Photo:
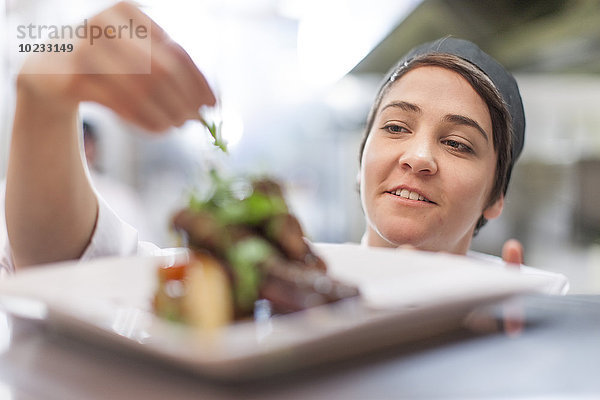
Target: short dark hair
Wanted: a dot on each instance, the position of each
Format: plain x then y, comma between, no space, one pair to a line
482,84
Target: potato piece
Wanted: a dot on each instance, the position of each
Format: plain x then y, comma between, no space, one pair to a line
208,302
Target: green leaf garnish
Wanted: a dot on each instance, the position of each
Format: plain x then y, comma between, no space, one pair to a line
244,258
226,204
215,131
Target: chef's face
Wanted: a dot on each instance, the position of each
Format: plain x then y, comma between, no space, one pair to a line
429,163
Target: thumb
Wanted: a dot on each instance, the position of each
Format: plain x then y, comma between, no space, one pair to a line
512,252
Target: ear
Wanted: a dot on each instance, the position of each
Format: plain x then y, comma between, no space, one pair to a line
495,209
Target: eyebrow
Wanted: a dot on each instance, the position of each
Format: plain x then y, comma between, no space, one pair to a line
404,105
455,119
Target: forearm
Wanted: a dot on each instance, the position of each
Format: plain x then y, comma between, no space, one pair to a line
51,208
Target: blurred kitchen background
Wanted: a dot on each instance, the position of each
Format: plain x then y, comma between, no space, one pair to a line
296,79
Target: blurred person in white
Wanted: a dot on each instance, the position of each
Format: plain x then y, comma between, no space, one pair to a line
434,161
120,197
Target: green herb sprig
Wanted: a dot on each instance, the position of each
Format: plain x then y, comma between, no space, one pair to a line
215,130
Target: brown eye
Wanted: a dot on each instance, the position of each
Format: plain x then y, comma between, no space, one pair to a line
394,128
456,145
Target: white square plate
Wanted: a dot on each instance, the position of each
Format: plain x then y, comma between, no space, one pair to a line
405,295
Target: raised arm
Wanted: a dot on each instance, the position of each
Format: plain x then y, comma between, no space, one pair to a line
51,209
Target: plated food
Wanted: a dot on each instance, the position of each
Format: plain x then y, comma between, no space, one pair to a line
246,246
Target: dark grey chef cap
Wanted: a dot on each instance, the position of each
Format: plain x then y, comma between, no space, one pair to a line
502,79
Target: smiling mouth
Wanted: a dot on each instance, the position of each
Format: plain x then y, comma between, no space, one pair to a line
407,194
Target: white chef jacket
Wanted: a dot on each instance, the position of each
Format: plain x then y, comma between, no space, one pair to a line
112,237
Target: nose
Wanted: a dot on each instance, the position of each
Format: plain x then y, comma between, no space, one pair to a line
418,156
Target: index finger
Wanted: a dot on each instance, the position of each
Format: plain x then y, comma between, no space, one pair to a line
198,87
170,62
